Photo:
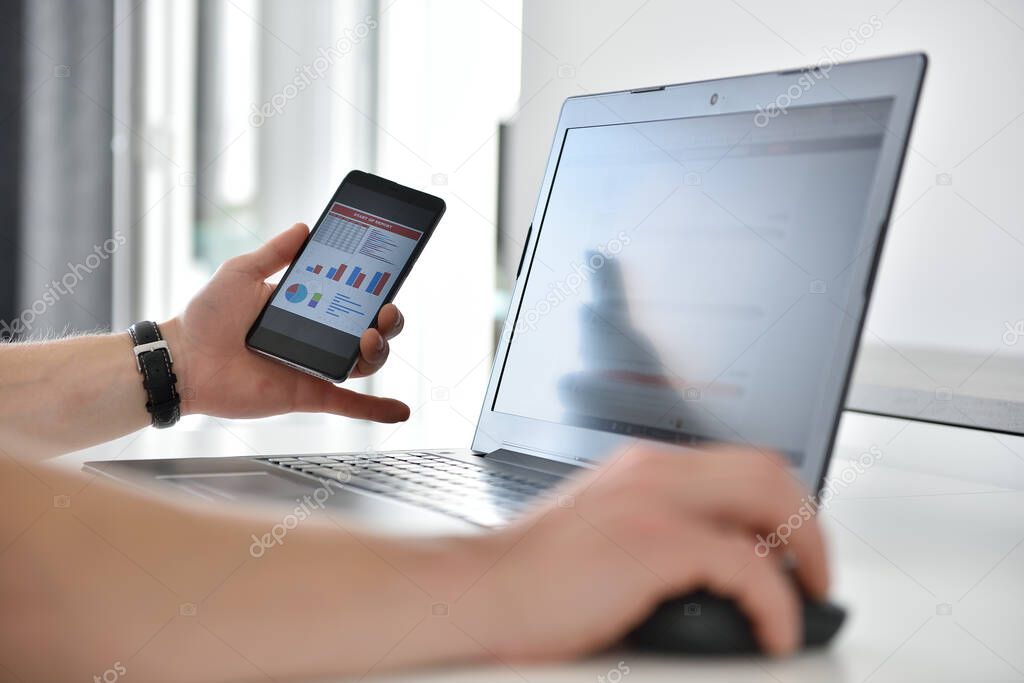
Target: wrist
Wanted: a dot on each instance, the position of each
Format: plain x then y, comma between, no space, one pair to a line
479,602
446,570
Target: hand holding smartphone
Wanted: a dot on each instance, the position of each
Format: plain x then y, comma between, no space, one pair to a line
353,262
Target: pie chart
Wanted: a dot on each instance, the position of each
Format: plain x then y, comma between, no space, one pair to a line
295,293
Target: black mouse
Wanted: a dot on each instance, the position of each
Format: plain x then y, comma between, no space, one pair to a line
705,624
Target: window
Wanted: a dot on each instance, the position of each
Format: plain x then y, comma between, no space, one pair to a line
243,116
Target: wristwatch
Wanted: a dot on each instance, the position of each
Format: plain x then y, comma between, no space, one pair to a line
154,361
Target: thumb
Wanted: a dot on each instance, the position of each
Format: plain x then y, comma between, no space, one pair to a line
277,252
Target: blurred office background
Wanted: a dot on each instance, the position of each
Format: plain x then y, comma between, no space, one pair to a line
197,129
181,126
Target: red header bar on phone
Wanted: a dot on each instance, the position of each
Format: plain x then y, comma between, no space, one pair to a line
370,220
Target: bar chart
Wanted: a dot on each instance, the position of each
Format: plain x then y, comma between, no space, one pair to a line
356,277
333,273
377,283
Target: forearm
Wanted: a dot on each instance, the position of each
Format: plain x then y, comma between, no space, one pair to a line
59,396
116,577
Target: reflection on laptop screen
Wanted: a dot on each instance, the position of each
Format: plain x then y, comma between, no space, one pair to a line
690,275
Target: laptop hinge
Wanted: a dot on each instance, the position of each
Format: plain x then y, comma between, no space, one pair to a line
510,457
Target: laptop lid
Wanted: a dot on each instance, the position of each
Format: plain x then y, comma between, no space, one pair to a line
700,262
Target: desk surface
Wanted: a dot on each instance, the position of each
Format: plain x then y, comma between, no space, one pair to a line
927,546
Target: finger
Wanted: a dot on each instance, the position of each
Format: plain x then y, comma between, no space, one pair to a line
364,407
277,252
746,488
373,353
390,321
760,589
780,525
317,396
725,566
767,498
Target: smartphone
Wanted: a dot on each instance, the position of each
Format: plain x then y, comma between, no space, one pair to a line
354,261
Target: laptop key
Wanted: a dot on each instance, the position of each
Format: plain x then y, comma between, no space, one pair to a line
306,466
328,473
374,486
318,459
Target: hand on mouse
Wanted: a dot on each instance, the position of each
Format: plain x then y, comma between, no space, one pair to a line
653,523
218,375
331,601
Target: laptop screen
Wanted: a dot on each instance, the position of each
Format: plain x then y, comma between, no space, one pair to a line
690,275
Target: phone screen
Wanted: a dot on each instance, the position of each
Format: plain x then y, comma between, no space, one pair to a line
354,261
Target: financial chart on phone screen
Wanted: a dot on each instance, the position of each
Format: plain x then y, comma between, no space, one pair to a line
347,269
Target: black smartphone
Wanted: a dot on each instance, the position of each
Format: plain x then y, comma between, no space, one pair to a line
353,262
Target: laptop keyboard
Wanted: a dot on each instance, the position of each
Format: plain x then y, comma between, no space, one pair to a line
488,496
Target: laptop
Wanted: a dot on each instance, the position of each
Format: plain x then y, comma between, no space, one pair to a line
698,269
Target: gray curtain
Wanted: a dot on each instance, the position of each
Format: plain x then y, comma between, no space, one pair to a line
66,239
11,62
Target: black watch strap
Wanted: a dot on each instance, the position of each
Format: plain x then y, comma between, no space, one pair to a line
153,358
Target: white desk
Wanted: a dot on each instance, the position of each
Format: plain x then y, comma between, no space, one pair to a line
927,546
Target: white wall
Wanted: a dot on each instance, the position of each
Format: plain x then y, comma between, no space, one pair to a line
953,271
448,74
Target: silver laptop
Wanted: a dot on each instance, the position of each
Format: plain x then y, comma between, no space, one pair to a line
698,269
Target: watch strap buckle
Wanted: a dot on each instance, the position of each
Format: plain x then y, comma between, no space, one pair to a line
151,346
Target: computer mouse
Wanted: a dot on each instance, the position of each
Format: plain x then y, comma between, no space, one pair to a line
705,624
